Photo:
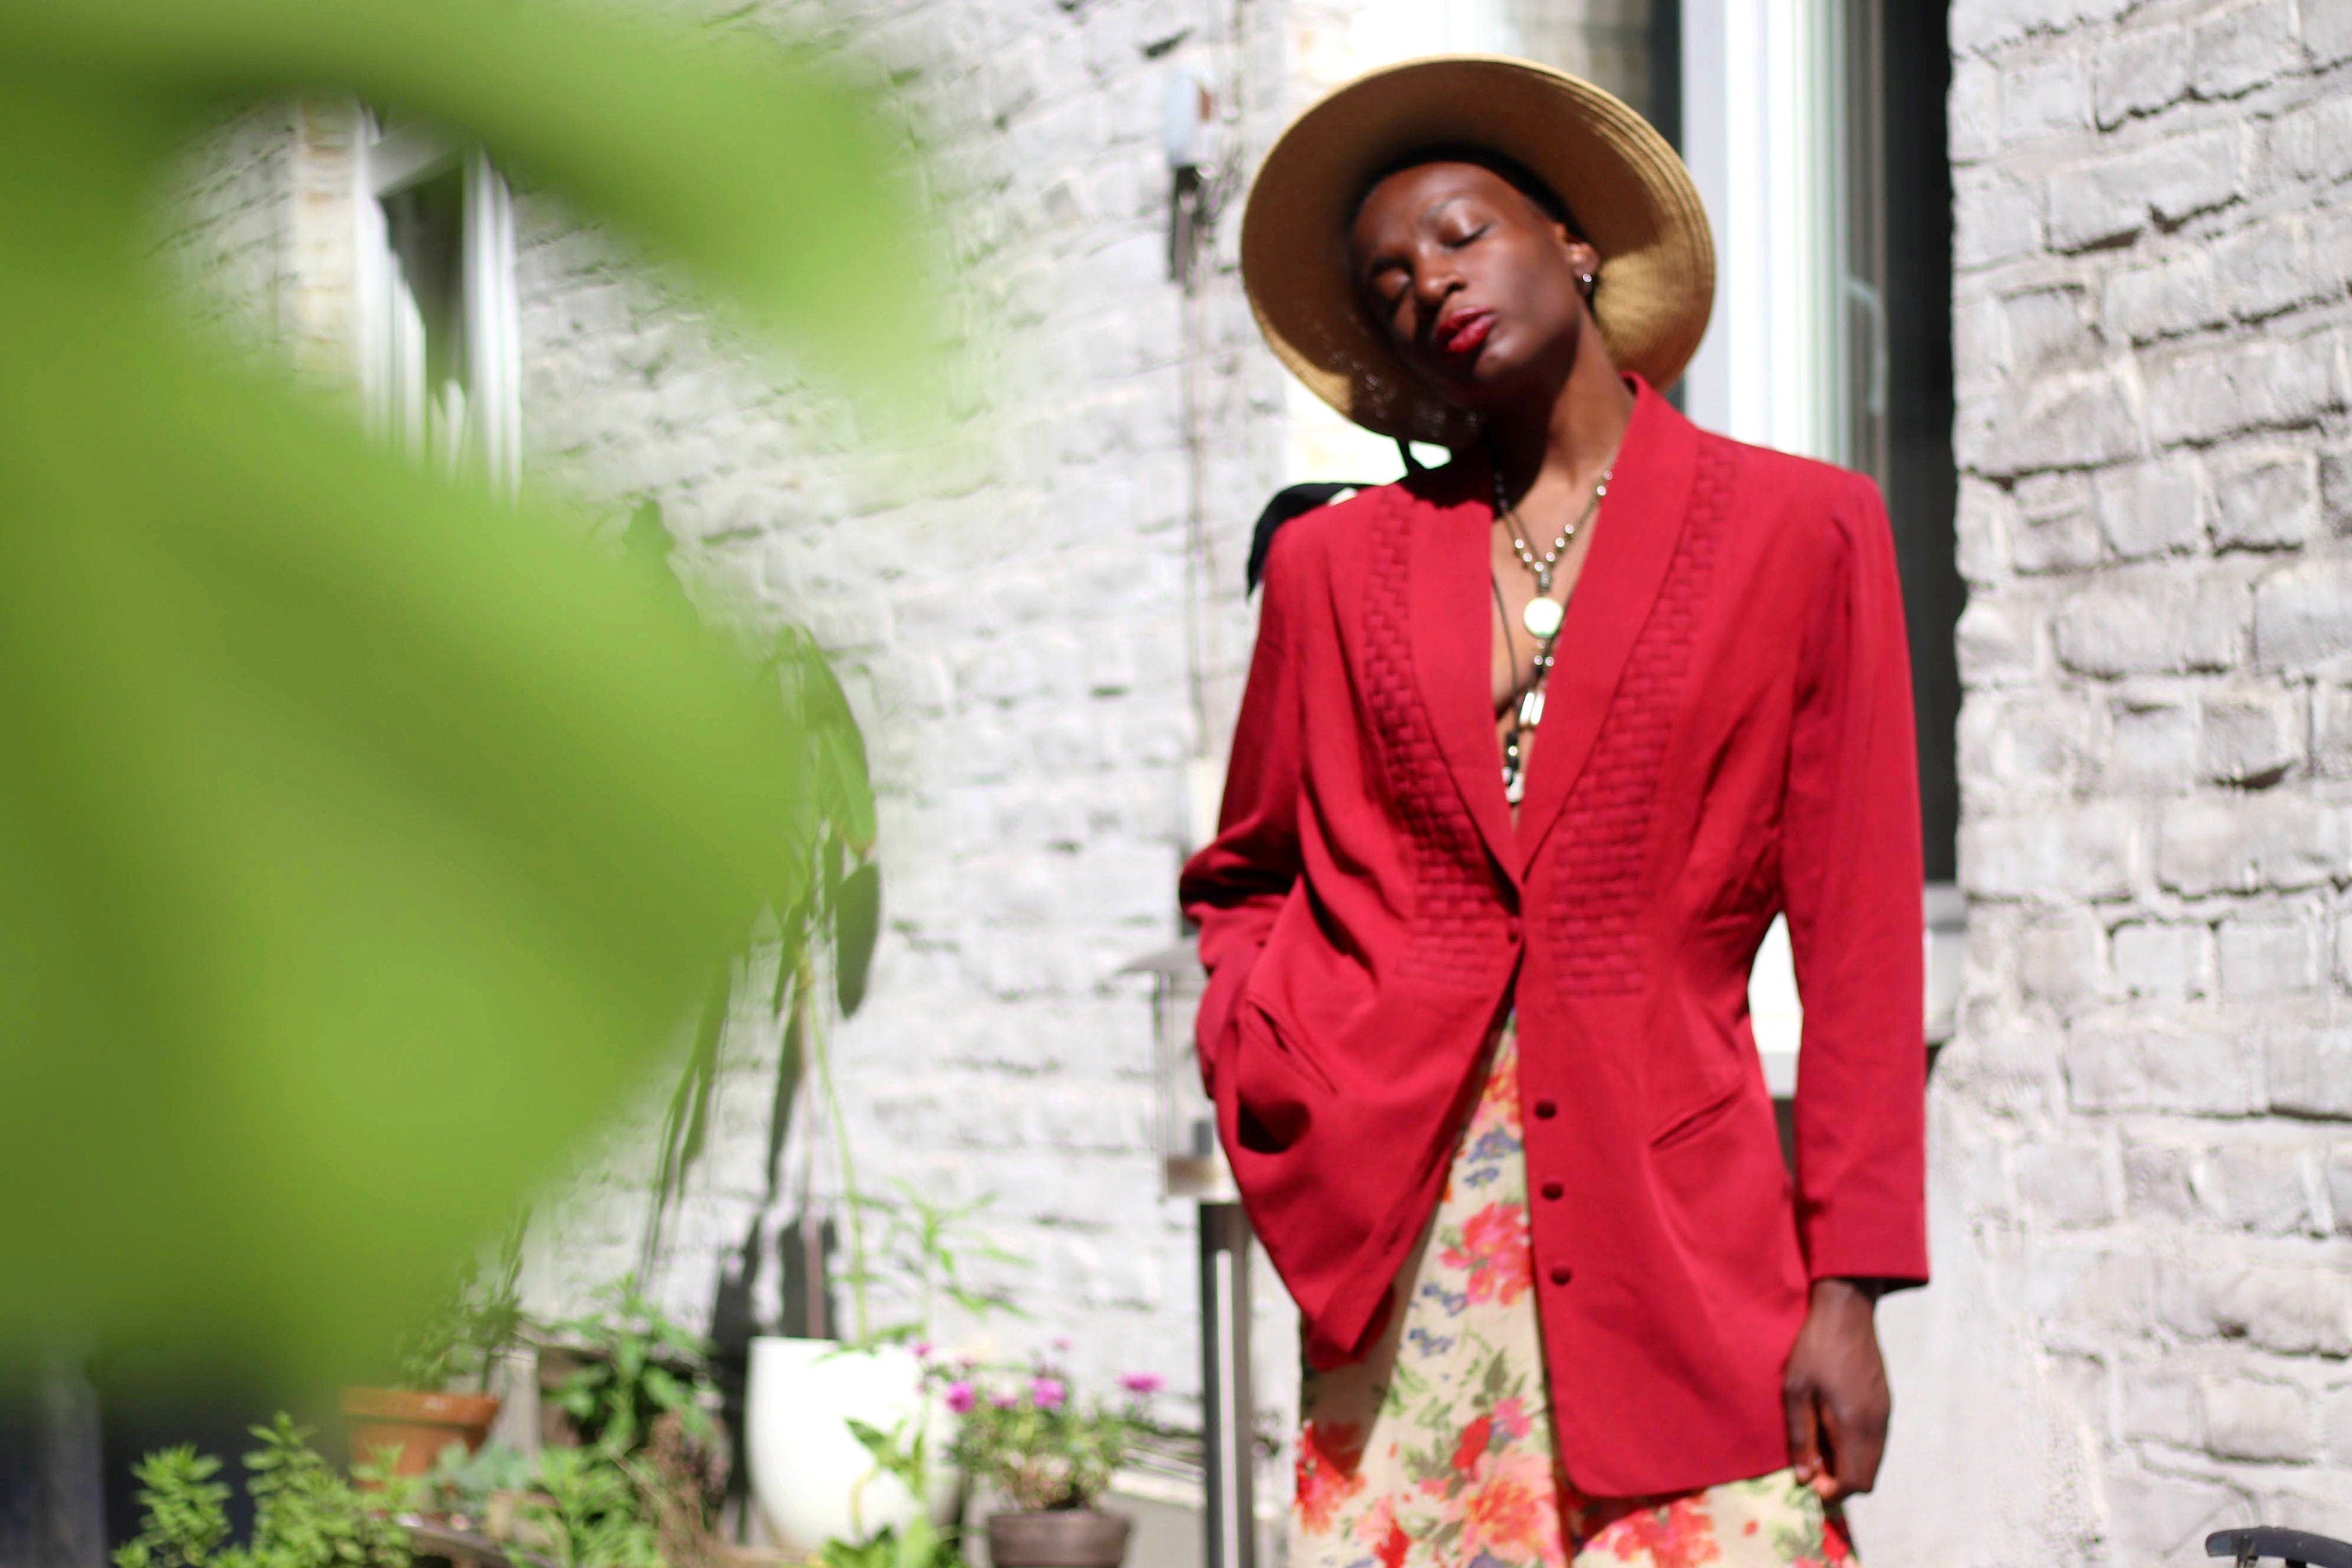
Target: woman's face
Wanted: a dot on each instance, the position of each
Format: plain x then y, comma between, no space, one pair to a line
1476,286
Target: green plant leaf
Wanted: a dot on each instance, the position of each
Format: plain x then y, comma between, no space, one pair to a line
368,837
857,918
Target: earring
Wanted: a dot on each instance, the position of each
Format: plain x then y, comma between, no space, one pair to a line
1589,281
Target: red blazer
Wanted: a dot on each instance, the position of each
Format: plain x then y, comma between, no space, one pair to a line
1728,736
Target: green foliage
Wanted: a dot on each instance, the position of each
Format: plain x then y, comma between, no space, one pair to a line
591,1511
1024,1431
921,1544
922,1251
472,1326
185,1516
829,914
305,1514
640,1367
369,837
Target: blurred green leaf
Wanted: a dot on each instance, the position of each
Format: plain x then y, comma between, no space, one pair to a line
366,838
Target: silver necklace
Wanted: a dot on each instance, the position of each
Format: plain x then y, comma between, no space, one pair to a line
1544,614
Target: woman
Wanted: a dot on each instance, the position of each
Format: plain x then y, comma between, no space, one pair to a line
1534,748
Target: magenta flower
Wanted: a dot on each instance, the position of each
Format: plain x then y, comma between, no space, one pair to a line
1142,1383
958,1397
1047,1393
922,1348
1005,1399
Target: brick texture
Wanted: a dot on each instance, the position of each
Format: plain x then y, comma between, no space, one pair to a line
2154,745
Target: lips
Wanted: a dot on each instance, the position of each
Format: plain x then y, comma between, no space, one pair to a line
1462,332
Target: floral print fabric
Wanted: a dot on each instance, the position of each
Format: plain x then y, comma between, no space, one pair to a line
1436,1450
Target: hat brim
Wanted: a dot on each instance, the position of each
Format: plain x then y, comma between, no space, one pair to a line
1629,192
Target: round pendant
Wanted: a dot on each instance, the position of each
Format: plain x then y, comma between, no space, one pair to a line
1542,617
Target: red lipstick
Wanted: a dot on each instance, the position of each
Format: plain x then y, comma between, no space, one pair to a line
1462,332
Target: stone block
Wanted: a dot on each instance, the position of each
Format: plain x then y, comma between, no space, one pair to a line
2153,743
2139,72
2303,615
2065,1184
2049,98
2164,1518
2157,1182
2155,625
2270,268
2240,845
1972,110
2056,529
2151,509
2058,959
2335,492
2313,141
2234,51
2251,738
1998,641
2113,198
1994,220
2088,852
2099,1287
2336,1181
2161,961
2264,500
2158,1403
2252,1419
2294,1311
2254,385
2327,31
2166,298
2261,1187
2152,1062
2309,1069
2331,731
2071,421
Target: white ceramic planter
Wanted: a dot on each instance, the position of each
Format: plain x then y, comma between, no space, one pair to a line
814,1480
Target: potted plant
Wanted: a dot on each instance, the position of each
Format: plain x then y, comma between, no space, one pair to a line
1026,1434
838,1434
406,1427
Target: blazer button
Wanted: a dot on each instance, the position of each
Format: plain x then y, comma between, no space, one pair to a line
1559,1274
1512,925
1546,1109
1552,1189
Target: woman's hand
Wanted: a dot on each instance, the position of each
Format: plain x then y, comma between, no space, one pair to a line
1834,1392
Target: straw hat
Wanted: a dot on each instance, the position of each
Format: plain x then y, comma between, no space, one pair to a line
1631,196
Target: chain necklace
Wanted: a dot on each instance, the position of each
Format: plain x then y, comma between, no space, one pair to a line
1543,617
1544,614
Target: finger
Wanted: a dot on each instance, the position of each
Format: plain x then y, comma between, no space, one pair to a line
1804,1431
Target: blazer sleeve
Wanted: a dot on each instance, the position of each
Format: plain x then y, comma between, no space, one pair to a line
1851,884
1236,885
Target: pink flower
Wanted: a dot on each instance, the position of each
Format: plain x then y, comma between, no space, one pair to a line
958,1397
1495,1253
1142,1383
1047,1393
1511,1418
922,1348
1003,1399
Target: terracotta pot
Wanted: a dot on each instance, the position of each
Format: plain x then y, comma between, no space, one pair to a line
418,1424
1058,1538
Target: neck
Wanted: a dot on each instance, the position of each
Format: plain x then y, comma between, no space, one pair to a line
1569,436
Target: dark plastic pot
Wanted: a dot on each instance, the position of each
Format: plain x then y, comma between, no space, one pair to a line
1058,1538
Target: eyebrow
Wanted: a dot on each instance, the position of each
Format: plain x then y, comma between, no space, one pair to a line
1426,216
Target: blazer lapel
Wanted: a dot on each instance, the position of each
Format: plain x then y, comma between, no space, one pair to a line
1453,652
1633,543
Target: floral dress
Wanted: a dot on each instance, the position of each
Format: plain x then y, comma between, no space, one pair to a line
1436,1450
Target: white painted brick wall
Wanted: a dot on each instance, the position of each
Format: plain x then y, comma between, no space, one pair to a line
2152,315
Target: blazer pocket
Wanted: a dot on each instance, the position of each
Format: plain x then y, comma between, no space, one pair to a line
1277,1090
1689,1122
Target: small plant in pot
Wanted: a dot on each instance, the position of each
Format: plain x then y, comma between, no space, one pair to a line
1023,1431
442,1396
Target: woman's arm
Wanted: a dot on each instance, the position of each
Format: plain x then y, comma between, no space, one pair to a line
1236,885
1851,880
